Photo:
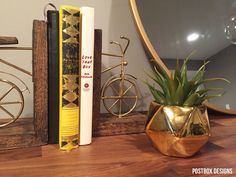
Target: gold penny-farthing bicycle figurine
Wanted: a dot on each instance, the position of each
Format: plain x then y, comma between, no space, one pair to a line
11,95
119,93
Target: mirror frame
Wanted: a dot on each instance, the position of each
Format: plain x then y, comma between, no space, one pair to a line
153,53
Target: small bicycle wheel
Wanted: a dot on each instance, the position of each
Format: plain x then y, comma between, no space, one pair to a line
120,96
11,102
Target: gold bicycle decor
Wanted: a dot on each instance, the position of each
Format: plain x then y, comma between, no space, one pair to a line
119,93
10,88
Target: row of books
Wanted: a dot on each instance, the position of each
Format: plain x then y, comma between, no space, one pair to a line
70,34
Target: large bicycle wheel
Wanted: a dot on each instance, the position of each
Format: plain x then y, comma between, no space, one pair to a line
11,102
120,96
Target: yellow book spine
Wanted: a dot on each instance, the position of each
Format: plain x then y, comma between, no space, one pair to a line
69,22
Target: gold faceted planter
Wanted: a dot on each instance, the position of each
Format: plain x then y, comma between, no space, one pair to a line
178,131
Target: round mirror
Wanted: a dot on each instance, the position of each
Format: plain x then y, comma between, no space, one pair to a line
173,29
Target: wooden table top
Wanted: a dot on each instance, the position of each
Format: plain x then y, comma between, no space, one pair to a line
123,156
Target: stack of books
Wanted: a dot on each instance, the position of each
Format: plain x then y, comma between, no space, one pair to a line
70,33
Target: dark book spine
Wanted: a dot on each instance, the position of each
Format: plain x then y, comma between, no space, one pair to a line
53,76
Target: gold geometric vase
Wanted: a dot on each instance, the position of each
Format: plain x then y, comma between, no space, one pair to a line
178,131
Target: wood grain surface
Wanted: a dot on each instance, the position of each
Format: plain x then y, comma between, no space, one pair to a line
20,127
97,77
40,79
122,156
108,124
8,40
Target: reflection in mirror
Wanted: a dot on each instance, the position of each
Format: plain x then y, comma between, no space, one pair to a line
176,28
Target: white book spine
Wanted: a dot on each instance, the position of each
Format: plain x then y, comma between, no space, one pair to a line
86,68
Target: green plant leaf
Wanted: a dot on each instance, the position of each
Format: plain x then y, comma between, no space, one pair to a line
170,83
200,99
199,74
161,71
158,80
170,89
185,82
179,95
190,101
184,66
161,82
203,91
214,79
205,96
214,95
158,96
177,76
184,78
200,82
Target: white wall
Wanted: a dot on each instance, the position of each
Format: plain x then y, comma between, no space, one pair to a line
112,16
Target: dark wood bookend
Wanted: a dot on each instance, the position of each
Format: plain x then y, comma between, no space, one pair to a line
97,77
108,124
40,79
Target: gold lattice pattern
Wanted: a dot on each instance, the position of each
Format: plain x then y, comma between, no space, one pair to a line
70,26
70,54
70,91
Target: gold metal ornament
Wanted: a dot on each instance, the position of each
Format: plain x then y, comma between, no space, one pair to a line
9,88
178,131
119,93
20,101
